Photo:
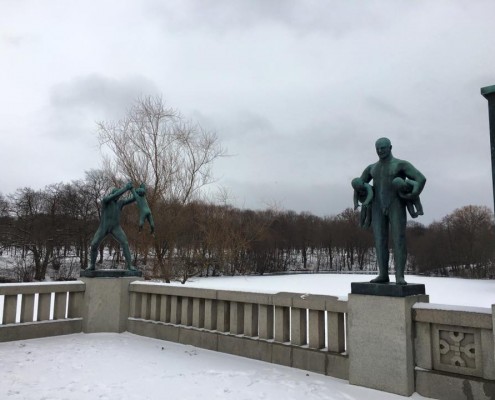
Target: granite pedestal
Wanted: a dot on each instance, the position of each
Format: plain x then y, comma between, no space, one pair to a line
380,336
106,304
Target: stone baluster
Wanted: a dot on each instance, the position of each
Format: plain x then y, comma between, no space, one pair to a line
316,329
155,306
27,308
135,304
282,303
211,314
187,311
60,305
266,321
44,300
145,306
236,318
75,305
198,313
9,309
336,332
223,316
298,326
175,309
251,319
165,309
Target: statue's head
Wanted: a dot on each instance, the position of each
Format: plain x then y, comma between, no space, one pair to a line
141,190
383,148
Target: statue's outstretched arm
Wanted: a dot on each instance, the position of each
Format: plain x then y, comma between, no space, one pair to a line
117,193
128,200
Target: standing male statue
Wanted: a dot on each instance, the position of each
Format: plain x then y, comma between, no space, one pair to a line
392,193
111,208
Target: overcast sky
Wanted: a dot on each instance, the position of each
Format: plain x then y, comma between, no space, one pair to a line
297,91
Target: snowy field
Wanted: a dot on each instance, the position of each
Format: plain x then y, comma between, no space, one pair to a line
126,366
450,291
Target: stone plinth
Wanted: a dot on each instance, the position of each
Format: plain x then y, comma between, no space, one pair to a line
380,342
106,304
493,321
387,289
110,273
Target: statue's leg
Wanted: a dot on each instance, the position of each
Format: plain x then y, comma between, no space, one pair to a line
142,218
95,244
411,210
119,234
398,220
379,223
152,223
419,206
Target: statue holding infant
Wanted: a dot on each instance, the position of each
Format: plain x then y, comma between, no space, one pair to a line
397,185
111,208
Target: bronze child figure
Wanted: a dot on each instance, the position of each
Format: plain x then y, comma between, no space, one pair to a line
144,209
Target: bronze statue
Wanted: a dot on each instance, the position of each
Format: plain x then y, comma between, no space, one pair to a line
111,208
397,185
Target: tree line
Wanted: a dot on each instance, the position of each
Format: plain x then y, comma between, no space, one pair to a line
50,230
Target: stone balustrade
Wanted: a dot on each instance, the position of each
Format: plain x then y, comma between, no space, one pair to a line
32,310
452,347
454,351
298,330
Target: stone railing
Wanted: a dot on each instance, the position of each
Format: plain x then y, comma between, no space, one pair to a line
441,352
32,310
454,351
297,330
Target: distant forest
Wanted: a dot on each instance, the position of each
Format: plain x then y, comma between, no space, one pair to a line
49,232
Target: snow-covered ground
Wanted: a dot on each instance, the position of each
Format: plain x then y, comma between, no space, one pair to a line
450,291
126,366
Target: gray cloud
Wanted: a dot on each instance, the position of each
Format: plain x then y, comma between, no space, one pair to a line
100,95
306,16
298,91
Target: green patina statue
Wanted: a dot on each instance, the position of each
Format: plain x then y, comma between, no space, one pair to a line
144,209
397,185
111,208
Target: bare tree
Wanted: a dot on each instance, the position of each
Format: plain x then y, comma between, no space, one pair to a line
153,144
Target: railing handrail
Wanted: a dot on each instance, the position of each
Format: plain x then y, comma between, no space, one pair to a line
473,317
288,299
10,289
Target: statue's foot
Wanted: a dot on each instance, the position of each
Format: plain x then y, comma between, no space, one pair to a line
131,268
381,279
92,268
399,280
